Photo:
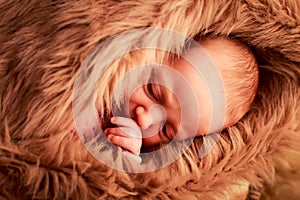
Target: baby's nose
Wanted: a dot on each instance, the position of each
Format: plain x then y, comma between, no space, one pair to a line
154,115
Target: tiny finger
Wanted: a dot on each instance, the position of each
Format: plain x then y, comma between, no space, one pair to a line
124,121
124,132
129,144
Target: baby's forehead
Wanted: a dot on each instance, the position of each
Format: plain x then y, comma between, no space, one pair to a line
224,46
220,42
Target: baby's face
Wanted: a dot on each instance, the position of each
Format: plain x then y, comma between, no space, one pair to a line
158,112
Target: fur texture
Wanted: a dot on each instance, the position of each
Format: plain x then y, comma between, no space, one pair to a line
43,44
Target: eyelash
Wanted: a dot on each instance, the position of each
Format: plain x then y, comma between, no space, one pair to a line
164,131
151,91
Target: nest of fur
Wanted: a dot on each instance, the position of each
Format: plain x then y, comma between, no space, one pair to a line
43,44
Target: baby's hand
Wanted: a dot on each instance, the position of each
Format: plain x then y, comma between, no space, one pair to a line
127,135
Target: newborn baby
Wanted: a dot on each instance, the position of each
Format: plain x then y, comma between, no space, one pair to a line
239,74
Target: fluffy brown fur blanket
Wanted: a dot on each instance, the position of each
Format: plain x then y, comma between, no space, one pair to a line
42,46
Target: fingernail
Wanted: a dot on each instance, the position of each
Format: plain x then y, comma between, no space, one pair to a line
109,137
113,120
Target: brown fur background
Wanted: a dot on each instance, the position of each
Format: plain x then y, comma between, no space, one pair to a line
42,46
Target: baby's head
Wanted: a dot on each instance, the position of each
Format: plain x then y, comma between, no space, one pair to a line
239,72
157,111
